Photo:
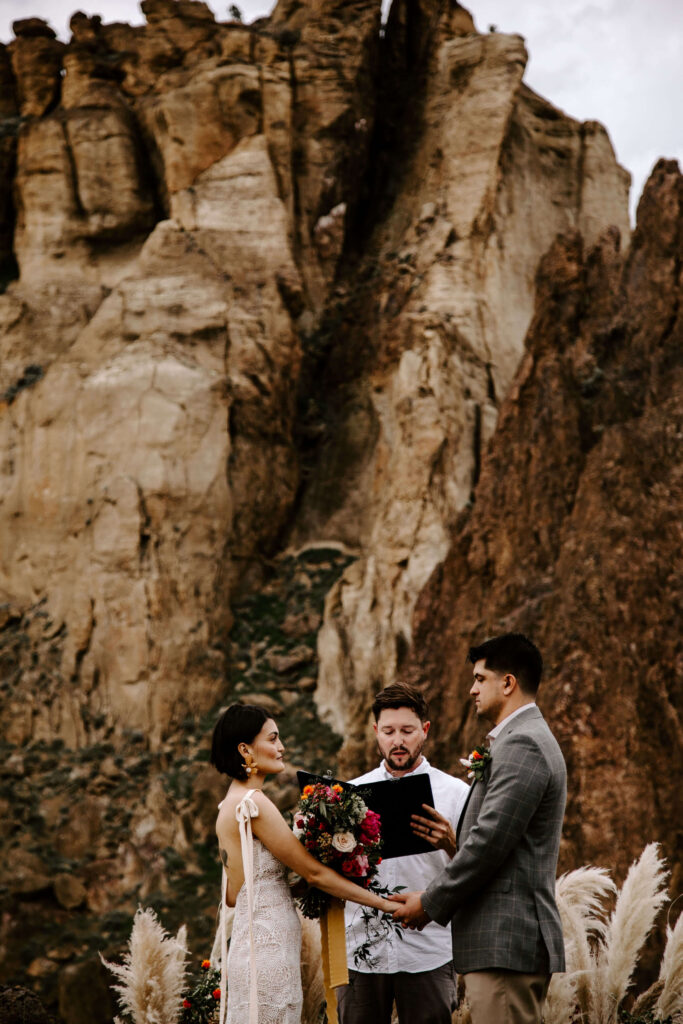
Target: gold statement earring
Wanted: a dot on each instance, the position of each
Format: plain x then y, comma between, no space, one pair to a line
250,766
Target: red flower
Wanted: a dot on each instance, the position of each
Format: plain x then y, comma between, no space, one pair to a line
187,1004
216,993
206,964
475,755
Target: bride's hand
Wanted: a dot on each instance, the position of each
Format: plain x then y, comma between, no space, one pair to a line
394,904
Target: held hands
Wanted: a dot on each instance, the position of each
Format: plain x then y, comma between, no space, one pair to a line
436,829
394,904
412,914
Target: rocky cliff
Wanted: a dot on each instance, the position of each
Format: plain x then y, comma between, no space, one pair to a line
266,293
574,535
244,252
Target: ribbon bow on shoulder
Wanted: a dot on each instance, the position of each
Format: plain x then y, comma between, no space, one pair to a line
245,810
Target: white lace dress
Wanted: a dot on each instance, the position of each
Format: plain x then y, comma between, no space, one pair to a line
271,947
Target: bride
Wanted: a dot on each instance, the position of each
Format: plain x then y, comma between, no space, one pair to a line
256,844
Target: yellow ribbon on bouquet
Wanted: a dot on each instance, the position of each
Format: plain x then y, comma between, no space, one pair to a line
335,967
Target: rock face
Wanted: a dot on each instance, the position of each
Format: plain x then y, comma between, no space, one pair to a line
574,536
495,173
151,355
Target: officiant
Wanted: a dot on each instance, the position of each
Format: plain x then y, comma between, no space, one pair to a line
415,971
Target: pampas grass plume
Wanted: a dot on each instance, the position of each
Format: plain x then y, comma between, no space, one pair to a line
641,896
152,975
670,1003
580,895
311,971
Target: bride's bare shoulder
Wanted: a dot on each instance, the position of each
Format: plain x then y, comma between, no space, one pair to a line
227,806
233,798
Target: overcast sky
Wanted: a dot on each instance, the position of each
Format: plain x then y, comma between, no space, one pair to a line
615,61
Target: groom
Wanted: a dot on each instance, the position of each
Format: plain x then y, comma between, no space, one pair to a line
498,891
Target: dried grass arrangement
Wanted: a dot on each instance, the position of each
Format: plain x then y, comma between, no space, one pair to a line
152,975
602,952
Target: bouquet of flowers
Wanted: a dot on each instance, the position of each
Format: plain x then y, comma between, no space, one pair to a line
200,1005
337,827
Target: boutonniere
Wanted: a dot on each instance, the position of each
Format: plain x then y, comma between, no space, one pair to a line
476,763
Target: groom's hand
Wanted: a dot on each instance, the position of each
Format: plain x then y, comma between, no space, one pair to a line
412,914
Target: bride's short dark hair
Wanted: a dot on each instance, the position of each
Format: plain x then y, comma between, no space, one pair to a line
240,723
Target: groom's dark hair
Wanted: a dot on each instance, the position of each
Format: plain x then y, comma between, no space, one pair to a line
240,723
513,653
401,695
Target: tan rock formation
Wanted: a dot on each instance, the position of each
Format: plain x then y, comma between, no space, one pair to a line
36,56
496,173
150,426
130,422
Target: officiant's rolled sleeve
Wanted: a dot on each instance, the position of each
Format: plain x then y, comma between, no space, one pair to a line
518,781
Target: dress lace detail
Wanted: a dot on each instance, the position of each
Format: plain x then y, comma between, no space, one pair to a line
264,962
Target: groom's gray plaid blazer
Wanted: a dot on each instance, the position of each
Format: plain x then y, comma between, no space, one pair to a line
498,892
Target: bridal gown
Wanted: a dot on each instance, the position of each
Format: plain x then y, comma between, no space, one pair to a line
271,947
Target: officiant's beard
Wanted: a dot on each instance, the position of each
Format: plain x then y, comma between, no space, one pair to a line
406,765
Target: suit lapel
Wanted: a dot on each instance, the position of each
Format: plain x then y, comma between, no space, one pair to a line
478,789
474,797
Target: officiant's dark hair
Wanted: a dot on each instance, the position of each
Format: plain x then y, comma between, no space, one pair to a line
513,653
401,695
240,723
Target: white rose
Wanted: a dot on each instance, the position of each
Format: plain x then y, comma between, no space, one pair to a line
345,842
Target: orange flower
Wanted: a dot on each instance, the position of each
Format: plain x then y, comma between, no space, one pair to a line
186,1004
307,790
216,993
206,964
337,788
475,756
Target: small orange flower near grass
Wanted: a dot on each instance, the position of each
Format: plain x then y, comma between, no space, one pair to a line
200,1002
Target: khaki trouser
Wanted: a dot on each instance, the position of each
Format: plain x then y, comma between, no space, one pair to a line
506,997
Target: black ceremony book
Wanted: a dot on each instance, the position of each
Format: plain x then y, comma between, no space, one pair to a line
394,800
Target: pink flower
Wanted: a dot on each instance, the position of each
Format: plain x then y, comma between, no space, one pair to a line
362,864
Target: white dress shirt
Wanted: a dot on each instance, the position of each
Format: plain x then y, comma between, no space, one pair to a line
416,951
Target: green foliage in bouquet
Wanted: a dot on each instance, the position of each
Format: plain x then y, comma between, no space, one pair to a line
202,1001
377,926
